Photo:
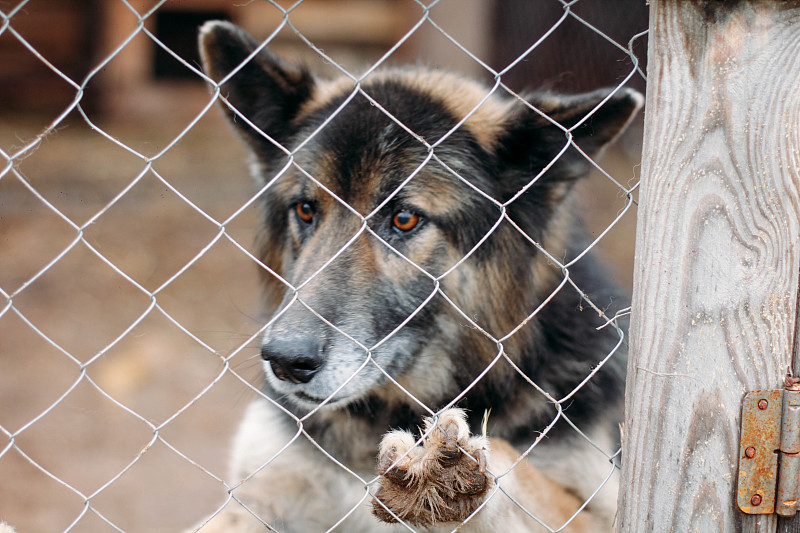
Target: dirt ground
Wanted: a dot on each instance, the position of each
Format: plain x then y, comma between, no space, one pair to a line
117,407
105,395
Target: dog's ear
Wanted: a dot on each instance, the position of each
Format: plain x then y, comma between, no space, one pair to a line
531,141
266,90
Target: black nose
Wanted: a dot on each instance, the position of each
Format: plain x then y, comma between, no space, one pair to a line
293,360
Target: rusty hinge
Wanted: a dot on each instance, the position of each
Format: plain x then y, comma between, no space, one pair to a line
769,451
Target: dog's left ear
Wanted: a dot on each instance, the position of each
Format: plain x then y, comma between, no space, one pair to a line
594,119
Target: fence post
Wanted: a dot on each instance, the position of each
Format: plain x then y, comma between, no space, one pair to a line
717,255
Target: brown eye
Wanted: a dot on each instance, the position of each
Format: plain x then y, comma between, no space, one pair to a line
305,211
405,220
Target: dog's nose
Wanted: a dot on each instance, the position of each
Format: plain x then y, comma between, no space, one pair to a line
295,361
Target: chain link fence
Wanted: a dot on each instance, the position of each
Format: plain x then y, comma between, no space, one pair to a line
131,309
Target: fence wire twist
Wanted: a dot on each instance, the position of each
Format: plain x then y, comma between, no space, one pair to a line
91,371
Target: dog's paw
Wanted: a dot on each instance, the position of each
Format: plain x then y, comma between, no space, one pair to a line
443,480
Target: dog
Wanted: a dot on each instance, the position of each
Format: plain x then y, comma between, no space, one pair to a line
412,225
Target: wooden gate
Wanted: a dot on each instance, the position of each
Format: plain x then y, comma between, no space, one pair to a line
718,256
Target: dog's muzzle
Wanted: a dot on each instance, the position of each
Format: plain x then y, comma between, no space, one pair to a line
293,360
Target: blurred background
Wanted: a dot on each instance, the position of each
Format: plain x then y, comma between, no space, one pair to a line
129,303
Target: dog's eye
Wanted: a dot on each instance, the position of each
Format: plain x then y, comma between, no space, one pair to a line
405,220
305,211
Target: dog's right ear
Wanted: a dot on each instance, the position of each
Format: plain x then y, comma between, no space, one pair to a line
266,90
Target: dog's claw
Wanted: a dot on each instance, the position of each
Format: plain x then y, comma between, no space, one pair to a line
443,480
450,451
482,460
385,467
386,460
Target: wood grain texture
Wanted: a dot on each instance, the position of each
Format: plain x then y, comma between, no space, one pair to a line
717,255
789,525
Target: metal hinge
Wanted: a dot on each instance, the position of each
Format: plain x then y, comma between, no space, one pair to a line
769,451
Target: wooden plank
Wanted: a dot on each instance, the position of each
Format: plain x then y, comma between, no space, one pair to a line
717,255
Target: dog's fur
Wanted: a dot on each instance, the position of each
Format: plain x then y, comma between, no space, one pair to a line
388,300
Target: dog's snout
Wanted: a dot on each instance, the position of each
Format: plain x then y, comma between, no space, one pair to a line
294,361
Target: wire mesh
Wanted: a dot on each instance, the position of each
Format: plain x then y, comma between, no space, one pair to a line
130,303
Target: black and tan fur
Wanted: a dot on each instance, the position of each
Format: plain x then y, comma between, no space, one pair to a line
338,168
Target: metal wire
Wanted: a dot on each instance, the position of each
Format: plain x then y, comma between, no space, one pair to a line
14,441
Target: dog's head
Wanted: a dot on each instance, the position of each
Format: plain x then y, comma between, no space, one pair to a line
379,195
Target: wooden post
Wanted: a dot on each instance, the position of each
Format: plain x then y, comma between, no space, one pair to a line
717,255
